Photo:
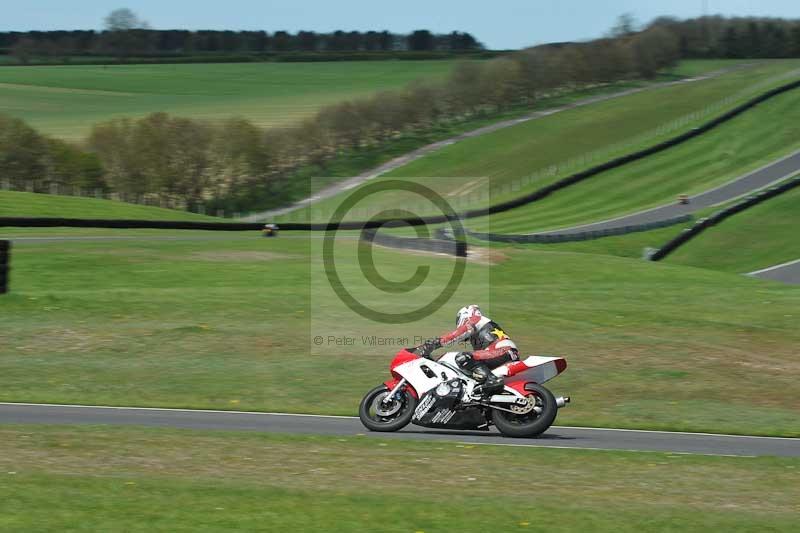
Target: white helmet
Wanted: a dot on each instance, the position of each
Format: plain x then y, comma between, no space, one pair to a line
465,313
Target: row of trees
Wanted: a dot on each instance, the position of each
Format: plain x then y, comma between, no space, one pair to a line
237,165
720,37
142,41
28,158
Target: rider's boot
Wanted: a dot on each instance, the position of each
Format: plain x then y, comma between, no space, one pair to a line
488,383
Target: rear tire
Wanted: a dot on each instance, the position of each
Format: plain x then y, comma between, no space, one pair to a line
392,417
530,424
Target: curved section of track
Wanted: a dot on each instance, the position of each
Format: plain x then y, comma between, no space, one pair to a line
765,176
555,437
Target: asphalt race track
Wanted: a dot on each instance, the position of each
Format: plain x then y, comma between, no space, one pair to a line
769,174
785,272
556,437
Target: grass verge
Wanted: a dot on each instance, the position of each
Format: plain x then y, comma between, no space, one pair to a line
166,480
229,325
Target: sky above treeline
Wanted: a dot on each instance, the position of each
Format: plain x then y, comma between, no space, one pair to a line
499,24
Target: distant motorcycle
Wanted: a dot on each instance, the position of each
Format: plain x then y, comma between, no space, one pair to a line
439,394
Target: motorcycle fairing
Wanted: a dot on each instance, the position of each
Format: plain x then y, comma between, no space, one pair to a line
424,374
533,368
439,408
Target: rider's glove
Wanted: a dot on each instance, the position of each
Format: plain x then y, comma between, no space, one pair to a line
427,348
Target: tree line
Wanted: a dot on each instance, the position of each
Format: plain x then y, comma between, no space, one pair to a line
235,164
734,38
29,159
149,42
239,166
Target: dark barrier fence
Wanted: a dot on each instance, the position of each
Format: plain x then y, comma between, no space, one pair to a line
450,247
46,222
545,238
705,223
5,265
532,197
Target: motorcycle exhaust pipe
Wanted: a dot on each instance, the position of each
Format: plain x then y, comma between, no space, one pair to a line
562,401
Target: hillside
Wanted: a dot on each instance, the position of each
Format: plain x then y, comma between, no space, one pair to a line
749,141
527,156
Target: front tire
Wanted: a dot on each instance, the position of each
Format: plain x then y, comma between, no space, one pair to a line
391,416
530,424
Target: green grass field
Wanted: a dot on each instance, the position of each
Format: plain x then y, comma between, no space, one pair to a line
228,324
66,100
23,204
135,479
510,159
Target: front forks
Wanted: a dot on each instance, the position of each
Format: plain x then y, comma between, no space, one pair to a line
395,389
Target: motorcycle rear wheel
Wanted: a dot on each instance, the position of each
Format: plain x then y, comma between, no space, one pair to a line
388,417
529,424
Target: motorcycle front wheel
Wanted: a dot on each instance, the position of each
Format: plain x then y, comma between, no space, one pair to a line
378,413
532,423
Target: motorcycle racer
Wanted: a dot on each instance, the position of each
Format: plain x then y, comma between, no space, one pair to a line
492,347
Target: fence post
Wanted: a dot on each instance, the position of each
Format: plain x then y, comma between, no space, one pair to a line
5,260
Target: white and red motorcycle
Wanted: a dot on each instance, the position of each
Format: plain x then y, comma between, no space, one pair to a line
439,394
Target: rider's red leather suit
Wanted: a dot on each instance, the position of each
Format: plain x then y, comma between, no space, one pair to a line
491,345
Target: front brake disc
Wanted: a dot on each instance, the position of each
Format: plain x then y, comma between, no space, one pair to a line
385,409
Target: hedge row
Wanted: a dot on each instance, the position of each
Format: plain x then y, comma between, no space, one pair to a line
705,223
277,57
